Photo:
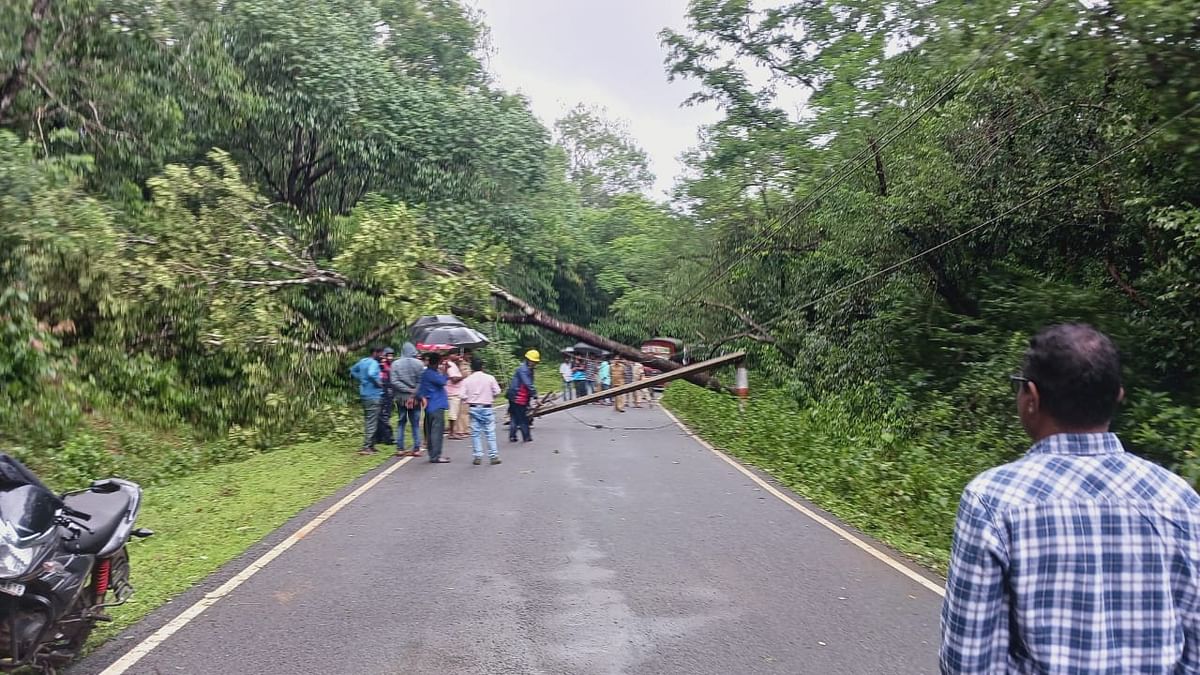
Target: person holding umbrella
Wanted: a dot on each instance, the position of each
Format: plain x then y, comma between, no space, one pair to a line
454,394
521,392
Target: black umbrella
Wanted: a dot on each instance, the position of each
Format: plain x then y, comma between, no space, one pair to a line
459,337
423,325
586,349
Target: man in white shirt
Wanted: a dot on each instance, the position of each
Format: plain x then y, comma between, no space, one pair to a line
479,394
567,374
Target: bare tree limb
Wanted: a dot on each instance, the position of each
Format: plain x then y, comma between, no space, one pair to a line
880,174
529,314
15,81
760,334
1125,287
745,335
325,278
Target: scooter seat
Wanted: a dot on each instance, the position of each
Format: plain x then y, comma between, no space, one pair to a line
107,509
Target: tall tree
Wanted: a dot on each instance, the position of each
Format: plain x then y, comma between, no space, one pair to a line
603,159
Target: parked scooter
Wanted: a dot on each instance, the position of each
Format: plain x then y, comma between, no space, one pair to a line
63,563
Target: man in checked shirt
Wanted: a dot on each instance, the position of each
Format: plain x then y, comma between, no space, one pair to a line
1079,557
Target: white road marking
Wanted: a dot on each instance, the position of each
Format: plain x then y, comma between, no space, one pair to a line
825,522
139,652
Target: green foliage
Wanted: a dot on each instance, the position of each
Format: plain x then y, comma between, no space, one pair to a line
829,199
603,160
207,209
895,464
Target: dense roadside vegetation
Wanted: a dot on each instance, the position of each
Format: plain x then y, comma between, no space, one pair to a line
884,398
207,208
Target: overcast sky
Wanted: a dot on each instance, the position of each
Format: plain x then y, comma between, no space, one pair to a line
607,52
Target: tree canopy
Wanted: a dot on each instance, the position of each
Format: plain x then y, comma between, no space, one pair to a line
205,206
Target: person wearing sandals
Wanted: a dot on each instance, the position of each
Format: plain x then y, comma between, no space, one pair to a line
405,378
479,395
454,395
433,392
462,428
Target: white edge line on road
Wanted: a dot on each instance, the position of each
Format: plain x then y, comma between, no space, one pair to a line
139,652
825,522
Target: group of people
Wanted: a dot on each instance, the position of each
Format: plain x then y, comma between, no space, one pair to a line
1079,557
438,397
582,376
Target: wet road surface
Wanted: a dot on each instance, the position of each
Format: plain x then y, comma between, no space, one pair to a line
588,551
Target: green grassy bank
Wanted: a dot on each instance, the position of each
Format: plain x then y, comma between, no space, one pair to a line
894,480
208,518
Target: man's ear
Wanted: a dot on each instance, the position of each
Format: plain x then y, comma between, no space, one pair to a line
1033,397
1121,395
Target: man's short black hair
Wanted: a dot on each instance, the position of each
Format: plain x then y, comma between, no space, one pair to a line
377,349
434,359
476,363
1077,370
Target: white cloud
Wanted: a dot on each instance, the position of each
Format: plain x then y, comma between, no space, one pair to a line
562,52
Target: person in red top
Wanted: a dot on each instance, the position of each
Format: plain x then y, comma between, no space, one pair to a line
521,393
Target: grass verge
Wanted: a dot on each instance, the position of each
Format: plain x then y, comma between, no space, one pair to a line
898,485
204,520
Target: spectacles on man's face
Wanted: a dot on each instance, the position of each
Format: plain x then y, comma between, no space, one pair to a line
1018,382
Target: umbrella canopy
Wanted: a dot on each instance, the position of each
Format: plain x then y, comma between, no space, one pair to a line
455,337
424,324
586,349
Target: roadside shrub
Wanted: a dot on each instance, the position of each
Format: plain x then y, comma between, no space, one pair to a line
896,467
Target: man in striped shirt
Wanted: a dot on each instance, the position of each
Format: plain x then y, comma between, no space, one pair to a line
1079,557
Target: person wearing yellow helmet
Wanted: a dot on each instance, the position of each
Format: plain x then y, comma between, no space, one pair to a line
521,393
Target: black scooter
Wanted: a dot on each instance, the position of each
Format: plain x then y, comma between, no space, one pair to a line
63,563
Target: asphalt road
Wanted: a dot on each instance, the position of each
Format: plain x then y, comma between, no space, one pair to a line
588,551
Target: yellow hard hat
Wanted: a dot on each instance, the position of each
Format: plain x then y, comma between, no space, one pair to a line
533,355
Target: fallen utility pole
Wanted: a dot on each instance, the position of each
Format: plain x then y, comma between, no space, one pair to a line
533,316
620,389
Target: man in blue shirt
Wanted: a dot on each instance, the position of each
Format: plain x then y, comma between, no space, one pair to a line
1079,557
604,374
432,393
370,390
521,394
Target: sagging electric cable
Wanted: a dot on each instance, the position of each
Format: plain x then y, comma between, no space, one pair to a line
991,221
848,167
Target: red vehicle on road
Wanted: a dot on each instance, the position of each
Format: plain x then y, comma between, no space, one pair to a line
663,348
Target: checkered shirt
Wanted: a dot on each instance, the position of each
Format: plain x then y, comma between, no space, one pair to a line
1077,558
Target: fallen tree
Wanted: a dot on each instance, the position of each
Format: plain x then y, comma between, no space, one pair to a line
528,314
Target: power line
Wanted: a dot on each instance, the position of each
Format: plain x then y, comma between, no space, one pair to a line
847,168
991,221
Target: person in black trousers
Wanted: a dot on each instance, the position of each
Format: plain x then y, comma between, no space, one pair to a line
521,393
